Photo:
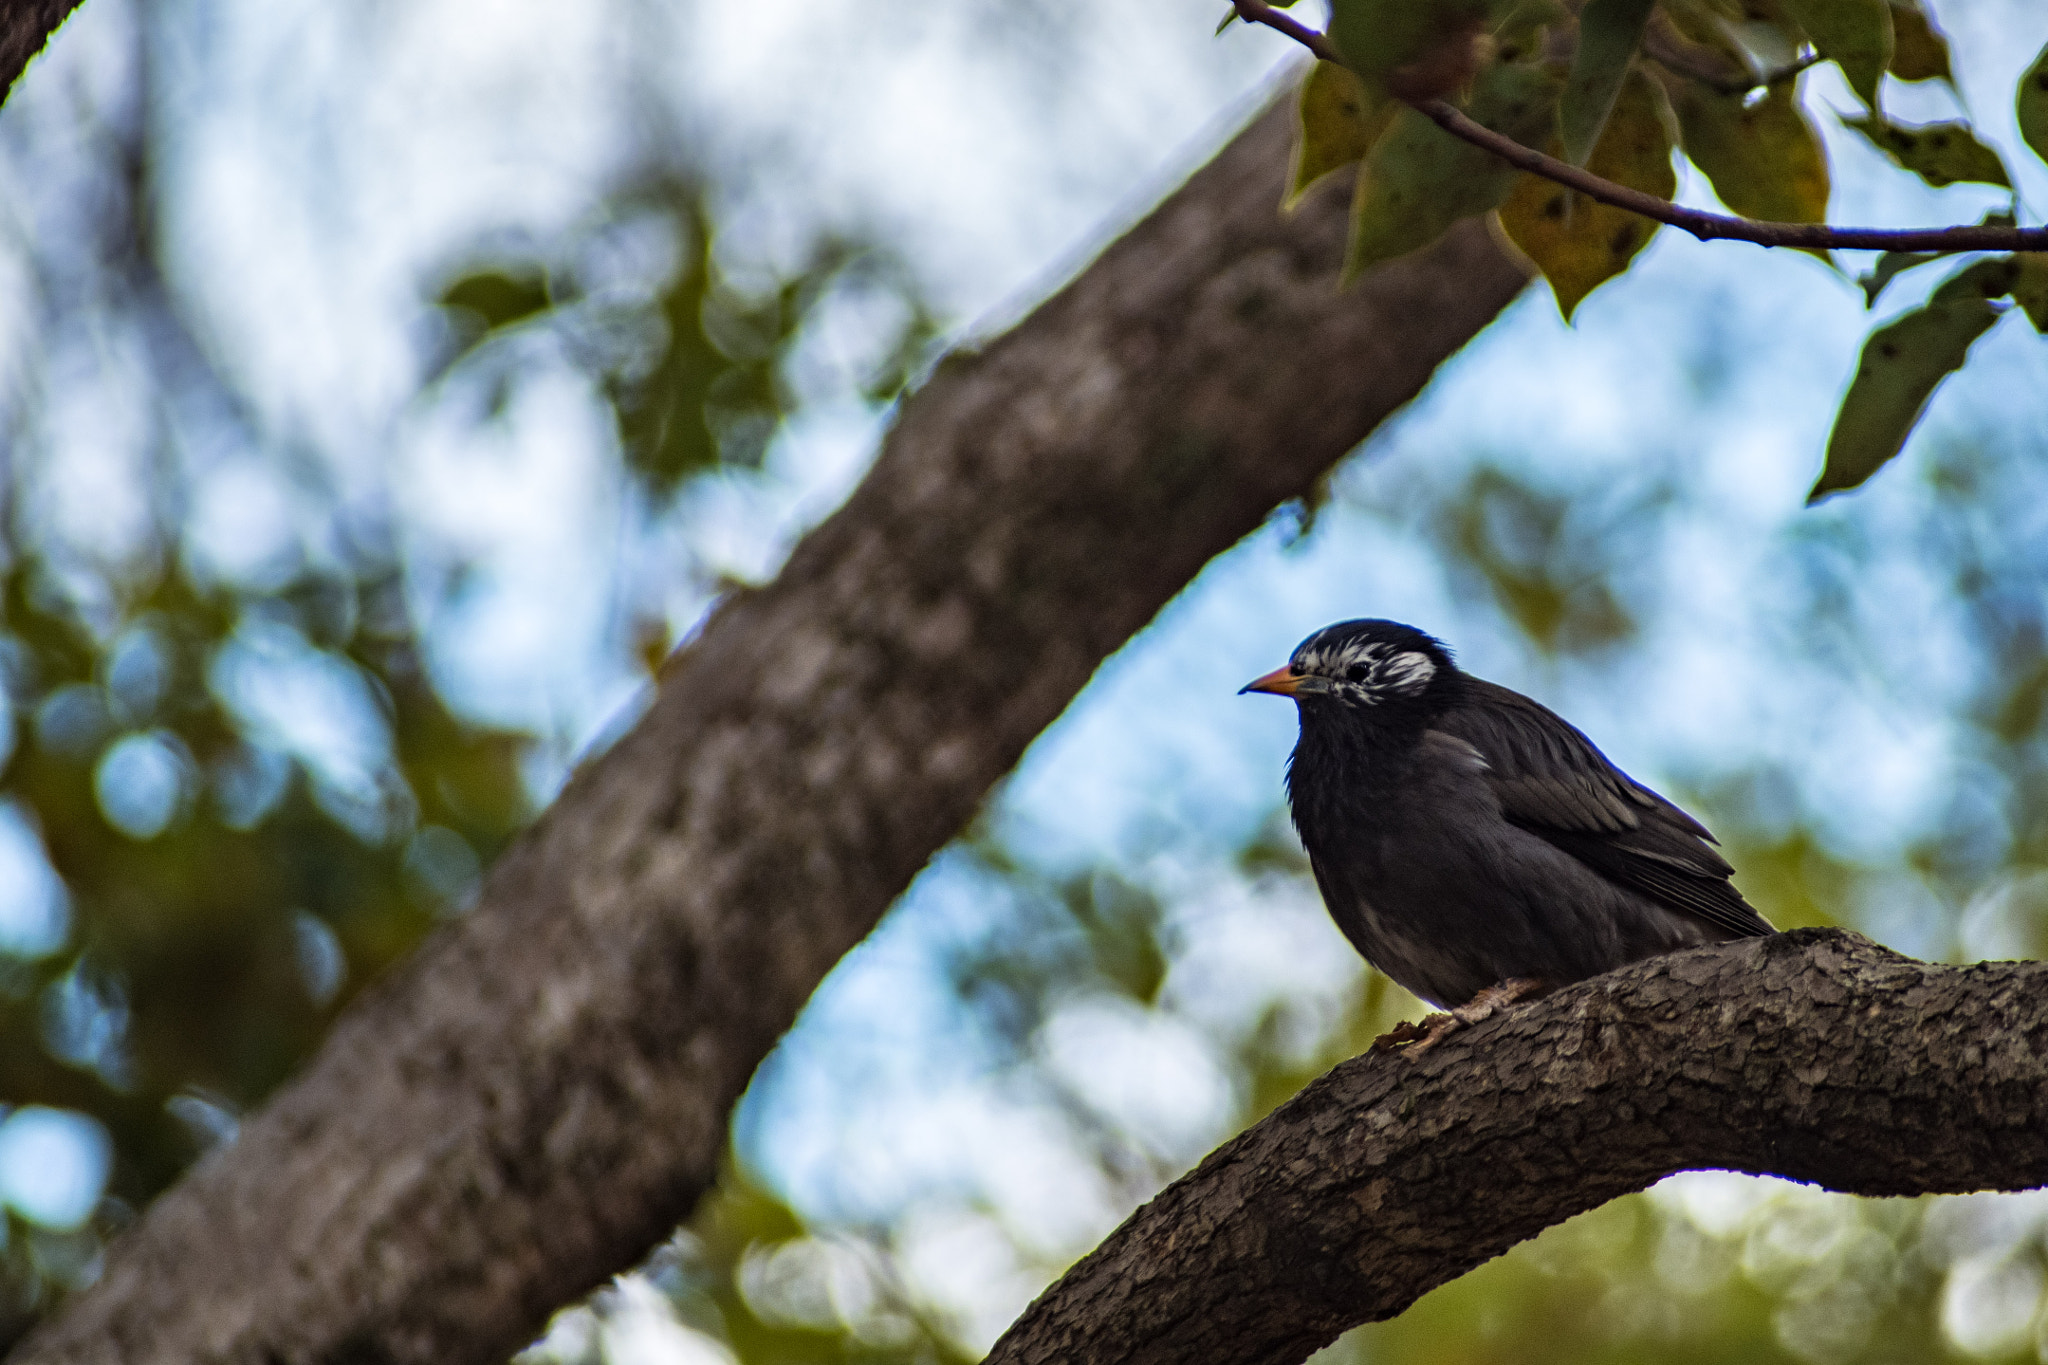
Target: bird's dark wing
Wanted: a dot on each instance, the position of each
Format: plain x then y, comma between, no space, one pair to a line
1552,782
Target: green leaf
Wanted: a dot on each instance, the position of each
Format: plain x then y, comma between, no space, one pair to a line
1919,51
2032,105
1764,159
1902,364
498,297
1854,34
1577,243
1610,31
1888,268
2030,287
1340,116
1412,37
1939,153
1419,180
483,304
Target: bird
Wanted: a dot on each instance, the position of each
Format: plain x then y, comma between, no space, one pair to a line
1474,845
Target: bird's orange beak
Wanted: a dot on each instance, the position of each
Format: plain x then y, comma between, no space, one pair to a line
1282,681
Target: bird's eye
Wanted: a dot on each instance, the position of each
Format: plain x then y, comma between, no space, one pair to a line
1357,672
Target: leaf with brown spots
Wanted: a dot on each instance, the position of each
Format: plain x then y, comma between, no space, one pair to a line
1939,153
1577,243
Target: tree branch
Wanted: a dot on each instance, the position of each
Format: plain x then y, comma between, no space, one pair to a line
541,1093
1680,59
1815,1055
25,26
1701,224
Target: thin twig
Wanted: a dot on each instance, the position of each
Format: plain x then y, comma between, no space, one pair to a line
1259,12
1705,226
1660,48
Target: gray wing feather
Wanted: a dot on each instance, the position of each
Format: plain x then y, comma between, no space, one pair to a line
1553,782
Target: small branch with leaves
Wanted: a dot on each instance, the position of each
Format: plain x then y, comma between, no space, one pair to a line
1563,120
1700,223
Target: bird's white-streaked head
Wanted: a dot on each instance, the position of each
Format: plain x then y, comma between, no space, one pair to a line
1363,663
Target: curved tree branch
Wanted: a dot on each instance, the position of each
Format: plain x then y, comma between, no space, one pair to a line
1814,1054
1701,224
541,1093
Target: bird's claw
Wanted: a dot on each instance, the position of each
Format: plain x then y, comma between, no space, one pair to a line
1407,1031
1434,1028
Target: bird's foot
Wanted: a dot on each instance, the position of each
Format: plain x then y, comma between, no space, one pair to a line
1414,1035
1436,1027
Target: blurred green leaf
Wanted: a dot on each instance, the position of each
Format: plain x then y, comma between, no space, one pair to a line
1419,180
1902,364
1578,243
1381,37
1764,159
2030,287
1854,34
498,297
2031,104
1339,117
1550,563
1939,153
1888,268
1919,50
1610,31
486,304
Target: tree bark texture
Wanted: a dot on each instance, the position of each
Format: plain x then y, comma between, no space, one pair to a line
1814,1054
25,25
541,1094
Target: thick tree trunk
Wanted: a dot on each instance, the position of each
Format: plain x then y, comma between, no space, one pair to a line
25,25
1815,1054
541,1094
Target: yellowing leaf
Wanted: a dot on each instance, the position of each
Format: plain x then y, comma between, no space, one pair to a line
1419,180
1854,34
1340,116
1610,31
1577,243
1939,153
1765,161
2032,105
1919,51
1902,364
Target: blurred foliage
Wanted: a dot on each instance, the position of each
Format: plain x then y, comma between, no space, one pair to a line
695,371
748,1273
248,794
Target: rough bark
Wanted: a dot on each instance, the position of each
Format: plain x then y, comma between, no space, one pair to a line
541,1093
25,25
1815,1055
